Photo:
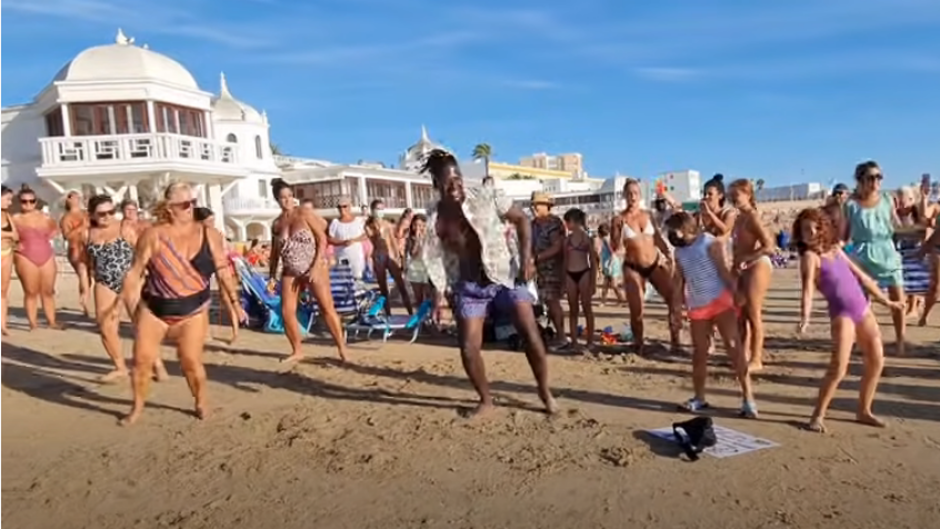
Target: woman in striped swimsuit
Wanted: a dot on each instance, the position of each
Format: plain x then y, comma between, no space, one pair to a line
178,256
300,247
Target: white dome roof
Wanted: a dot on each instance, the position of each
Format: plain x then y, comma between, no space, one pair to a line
226,108
424,145
122,61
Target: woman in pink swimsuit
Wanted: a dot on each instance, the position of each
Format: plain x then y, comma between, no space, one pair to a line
825,266
300,247
35,260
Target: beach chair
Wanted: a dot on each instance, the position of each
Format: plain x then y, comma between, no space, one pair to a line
255,286
374,320
346,293
368,316
916,272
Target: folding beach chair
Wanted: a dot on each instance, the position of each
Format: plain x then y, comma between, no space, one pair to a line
373,320
255,287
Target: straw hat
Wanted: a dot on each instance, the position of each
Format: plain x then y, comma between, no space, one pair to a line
344,201
541,197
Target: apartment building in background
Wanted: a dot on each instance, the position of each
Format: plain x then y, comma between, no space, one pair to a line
572,163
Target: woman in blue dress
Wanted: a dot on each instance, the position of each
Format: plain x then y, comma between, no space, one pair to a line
870,219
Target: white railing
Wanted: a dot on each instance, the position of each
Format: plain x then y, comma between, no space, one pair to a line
238,205
134,148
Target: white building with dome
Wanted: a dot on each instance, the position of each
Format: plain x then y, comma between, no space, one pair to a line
124,120
413,158
400,188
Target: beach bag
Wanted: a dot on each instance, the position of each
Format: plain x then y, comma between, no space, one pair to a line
699,435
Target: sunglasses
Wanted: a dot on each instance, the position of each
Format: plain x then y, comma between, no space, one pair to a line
183,206
876,176
27,201
105,213
343,207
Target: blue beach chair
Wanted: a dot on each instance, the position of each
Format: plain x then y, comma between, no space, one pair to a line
373,319
255,289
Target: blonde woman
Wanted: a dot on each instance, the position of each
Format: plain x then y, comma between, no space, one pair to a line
178,255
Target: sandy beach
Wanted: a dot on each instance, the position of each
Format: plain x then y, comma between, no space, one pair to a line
381,443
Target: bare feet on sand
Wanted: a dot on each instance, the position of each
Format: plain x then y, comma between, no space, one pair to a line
755,366
815,425
114,376
869,419
201,412
57,326
131,417
551,407
296,357
483,409
160,374
900,349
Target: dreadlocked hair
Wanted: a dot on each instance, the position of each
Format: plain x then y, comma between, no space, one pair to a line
436,161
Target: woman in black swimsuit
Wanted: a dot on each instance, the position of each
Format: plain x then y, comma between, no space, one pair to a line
10,240
645,258
581,259
178,256
109,245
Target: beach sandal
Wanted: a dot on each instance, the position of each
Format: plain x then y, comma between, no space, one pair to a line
748,410
693,405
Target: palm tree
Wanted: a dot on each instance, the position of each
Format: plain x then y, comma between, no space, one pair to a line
275,150
484,152
760,185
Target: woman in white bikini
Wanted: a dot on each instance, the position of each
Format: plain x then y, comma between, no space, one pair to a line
645,258
752,247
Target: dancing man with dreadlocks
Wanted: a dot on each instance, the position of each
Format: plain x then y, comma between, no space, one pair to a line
465,248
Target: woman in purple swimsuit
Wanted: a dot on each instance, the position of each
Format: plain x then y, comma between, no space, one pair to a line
824,265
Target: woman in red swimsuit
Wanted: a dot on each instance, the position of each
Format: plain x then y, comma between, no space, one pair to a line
178,255
35,260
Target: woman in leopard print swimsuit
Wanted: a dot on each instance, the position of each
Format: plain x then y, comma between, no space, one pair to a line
109,245
300,246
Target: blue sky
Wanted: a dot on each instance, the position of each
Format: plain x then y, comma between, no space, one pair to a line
784,90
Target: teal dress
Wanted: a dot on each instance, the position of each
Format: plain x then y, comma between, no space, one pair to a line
872,241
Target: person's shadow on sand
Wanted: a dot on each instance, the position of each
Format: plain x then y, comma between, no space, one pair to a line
30,372
248,379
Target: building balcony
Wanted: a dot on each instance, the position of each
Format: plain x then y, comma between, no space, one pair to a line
251,207
331,201
110,156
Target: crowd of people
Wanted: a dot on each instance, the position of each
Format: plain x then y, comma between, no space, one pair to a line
478,252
